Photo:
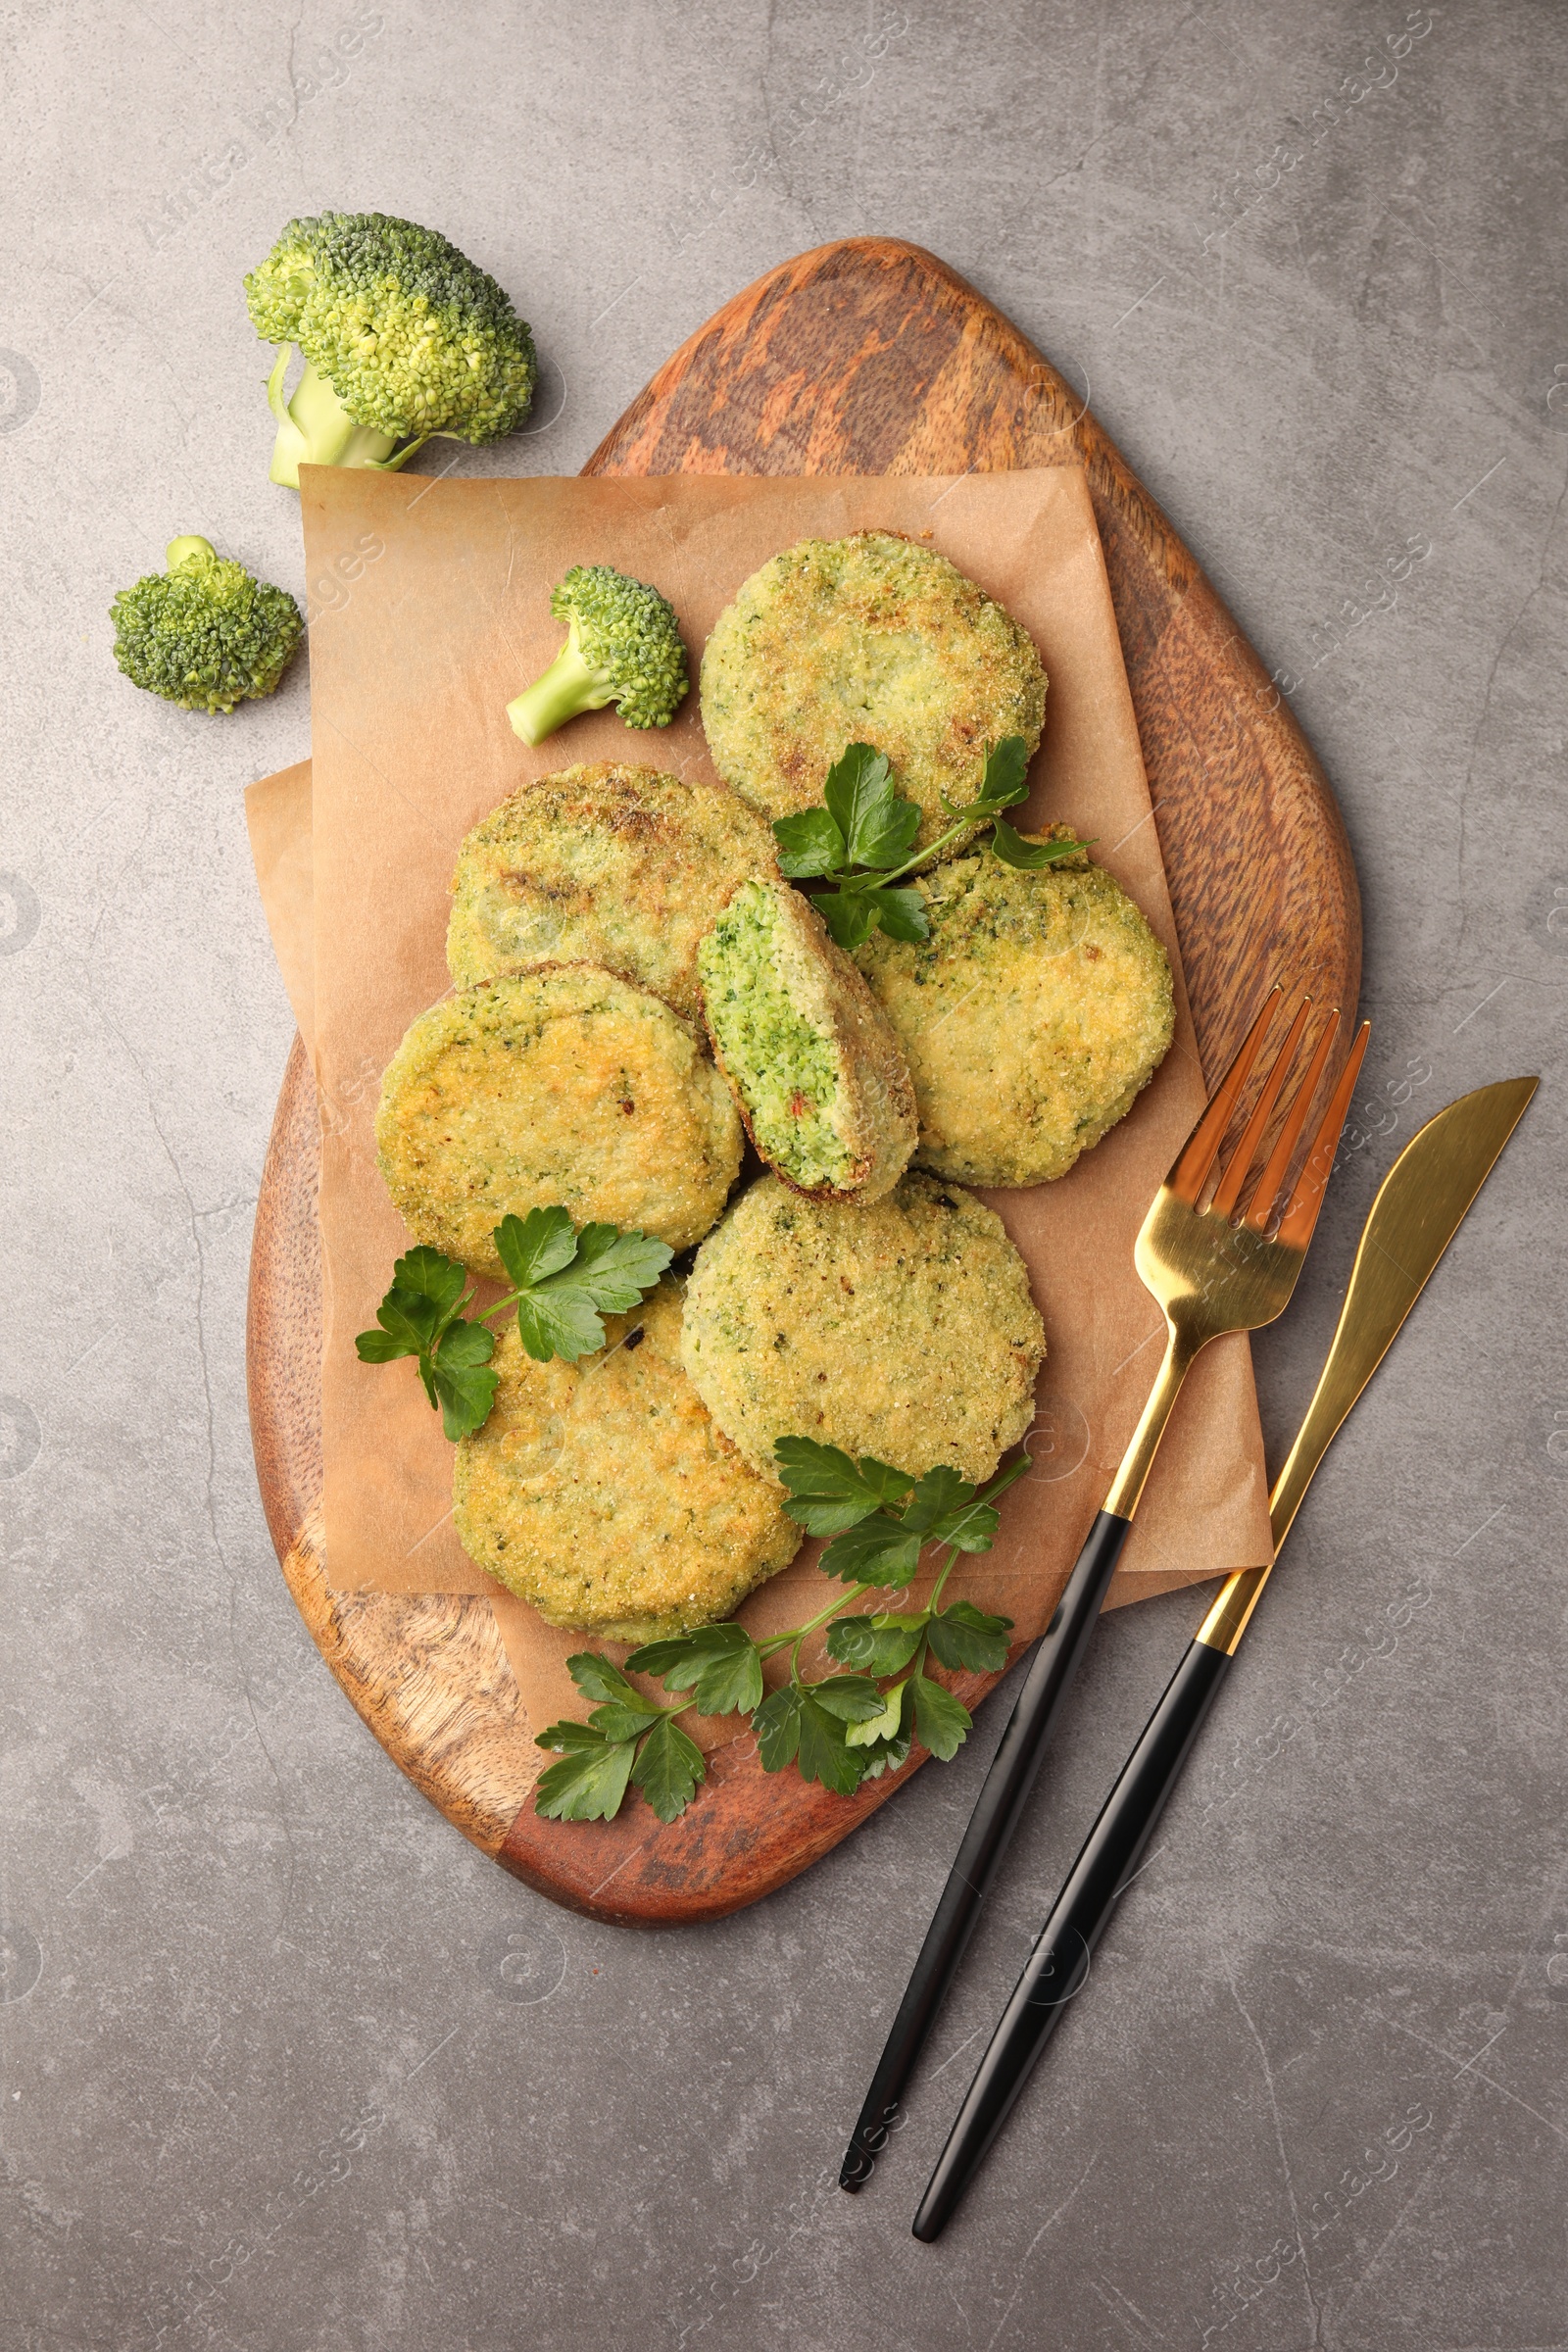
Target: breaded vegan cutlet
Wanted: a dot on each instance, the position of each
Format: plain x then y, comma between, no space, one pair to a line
869,639
565,1085
820,1082
1031,1017
904,1329
601,1492
614,864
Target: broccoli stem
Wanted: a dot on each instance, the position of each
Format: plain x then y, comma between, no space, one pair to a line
568,686
315,428
190,554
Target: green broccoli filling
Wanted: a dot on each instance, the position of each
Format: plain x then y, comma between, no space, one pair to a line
782,1065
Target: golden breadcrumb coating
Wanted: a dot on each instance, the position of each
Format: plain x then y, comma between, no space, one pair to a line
565,1085
601,1492
870,639
904,1330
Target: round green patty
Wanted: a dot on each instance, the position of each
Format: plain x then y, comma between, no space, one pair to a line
873,640
601,1492
904,1330
561,1085
612,865
1034,1013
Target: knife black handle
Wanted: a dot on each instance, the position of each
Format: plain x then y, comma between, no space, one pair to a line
990,1826
1058,1966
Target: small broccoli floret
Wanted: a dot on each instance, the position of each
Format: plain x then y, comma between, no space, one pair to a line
623,647
403,337
203,633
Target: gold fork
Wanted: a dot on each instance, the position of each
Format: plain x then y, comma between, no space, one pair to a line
1213,1267
1212,1271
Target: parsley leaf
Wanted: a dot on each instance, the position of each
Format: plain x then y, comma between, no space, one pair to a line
618,1721
850,915
828,1489
1029,856
419,1317
809,843
942,1721
720,1665
622,1713
876,824
1003,782
537,1245
940,1500
464,1389
852,1697
668,1769
878,1550
884,1725
888,1752
777,1727
1006,772
963,1635
972,1525
793,1726
823,1753
615,1267
590,1781
598,1677
901,912
882,1644
865,829
884,1547
565,1280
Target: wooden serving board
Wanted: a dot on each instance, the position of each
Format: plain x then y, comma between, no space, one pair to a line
864,357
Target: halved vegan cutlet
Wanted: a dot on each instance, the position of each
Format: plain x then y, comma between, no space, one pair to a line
562,1085
810,1057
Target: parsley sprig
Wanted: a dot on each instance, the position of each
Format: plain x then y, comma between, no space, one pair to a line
838,1729
860,840
565,1280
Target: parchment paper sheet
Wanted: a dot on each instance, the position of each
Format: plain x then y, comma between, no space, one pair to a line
435,613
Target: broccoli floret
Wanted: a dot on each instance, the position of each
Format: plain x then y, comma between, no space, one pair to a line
623,647
203,633
403,337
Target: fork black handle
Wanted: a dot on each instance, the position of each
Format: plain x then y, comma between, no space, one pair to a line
1058,1966
995,1817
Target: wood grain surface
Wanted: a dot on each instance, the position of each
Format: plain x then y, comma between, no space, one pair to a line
864,357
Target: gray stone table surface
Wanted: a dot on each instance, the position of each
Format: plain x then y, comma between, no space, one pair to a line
288,2066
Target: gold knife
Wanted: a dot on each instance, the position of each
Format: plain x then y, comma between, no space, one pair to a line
1420,1207
1421,1204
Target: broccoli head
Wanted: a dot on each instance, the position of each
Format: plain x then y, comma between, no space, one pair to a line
401,338
624,645
203,633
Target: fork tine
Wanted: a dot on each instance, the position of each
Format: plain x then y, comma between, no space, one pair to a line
1279,1159
1198,1155
1229,1190
1300,1214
